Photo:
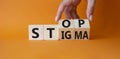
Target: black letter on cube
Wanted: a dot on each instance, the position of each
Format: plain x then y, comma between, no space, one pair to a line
81,22
37,34
78,36
63,23
67,35
50,31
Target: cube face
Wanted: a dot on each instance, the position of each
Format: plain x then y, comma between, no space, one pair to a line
66,23
35,32
81,23
51,32
81,33
66,34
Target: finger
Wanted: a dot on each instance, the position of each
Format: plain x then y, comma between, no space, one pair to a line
60,11
76,2
90,9
74,13
67,12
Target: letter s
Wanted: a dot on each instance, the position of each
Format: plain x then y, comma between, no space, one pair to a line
33,31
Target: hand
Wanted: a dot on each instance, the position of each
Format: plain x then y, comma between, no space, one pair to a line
69,7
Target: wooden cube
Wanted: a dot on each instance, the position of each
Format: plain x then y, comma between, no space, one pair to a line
66,29
51,32
81,29
36,32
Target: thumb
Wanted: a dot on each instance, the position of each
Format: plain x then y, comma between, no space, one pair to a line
90,9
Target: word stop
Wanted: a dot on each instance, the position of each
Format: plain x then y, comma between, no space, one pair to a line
65,30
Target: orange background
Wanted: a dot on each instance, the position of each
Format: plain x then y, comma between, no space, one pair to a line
16,15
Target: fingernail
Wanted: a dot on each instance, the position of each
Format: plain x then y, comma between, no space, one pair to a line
56,18
90,17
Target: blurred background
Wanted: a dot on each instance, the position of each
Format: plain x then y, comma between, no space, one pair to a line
16,15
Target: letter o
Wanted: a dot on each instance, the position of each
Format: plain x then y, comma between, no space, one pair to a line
66,26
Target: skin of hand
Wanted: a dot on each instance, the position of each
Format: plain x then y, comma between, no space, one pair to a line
69,7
